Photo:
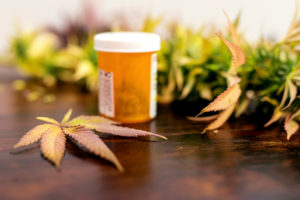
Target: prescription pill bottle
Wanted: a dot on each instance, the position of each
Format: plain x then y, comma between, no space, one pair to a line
127,64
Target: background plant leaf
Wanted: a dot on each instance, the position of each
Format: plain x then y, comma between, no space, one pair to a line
277,115
290,89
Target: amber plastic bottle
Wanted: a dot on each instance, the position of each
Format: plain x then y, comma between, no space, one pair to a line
127,75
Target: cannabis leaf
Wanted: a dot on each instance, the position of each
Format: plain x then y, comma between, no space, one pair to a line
52,136
227,101
238,55
224,100
222,118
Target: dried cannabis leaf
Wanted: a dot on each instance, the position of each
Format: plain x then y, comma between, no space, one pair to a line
67,116
125,131
224,100
104,125
49,120
222,118
203,119
238,55
33,135
53,136
235,36
53,144
93,143
90,121
228,99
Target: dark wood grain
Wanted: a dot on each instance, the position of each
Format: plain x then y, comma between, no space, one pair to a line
238,162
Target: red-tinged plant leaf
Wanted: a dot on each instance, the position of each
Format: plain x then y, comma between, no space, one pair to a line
49,120
66,117
222,118
238,55
53,136
232,29
33,135
290,126
53,144
203,119
93,143
125,131
277,115
224,100
89,121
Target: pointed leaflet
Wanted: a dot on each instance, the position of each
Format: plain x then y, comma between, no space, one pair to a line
203,119
49,120
224,100
53,144
232,29
33,135
66,117
238,55
290,126
108,126
89,121
222,118
93,143
125,131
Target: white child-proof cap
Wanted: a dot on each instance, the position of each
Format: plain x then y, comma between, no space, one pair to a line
130,42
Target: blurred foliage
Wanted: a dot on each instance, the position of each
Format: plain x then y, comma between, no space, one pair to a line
193,64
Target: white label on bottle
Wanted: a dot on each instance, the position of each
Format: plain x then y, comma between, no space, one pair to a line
153,86
106,93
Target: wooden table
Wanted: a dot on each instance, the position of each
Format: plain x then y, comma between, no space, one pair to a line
238,162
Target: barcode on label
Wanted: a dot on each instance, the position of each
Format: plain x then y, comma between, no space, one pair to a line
106,93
